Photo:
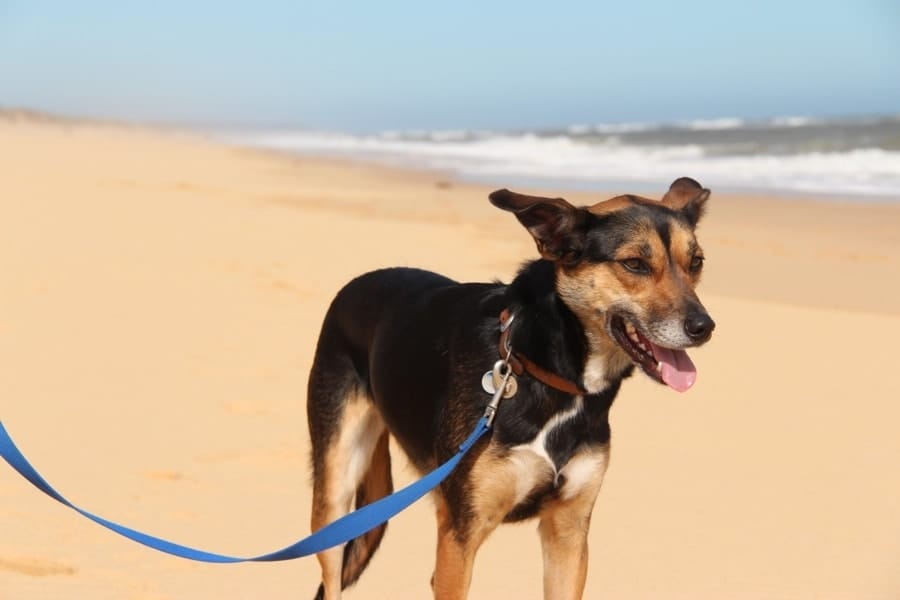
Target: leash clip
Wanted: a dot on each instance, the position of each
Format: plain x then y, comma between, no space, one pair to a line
505,386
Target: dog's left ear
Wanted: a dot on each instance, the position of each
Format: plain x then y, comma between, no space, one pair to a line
688,197
556,226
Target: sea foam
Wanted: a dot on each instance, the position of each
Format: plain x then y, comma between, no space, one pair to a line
788,154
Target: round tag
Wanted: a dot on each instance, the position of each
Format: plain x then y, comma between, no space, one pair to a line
511,387
487,382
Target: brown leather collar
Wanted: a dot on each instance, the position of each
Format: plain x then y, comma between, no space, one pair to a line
522,364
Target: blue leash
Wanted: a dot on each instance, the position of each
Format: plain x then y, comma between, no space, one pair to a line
343,530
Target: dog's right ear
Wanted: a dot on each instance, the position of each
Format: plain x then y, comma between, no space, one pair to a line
556,226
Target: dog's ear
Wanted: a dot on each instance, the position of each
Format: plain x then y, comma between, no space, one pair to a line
688,197
556,226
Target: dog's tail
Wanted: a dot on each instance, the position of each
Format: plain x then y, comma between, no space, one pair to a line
376,484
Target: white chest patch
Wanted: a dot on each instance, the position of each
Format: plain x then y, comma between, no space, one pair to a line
538,444
532,463
583,470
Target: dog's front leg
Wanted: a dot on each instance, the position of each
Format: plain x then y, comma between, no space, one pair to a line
564,527
565,550
455,557
458,543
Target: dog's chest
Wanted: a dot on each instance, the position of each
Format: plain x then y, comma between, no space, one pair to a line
559,462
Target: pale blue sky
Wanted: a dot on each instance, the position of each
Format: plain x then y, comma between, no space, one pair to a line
364,66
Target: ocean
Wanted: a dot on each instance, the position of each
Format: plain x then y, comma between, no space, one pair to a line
841,157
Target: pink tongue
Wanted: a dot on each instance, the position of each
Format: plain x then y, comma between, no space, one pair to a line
678,372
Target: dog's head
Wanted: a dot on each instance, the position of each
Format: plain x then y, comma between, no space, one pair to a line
627,267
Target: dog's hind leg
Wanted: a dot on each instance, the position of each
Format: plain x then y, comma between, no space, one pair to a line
350,459
376,484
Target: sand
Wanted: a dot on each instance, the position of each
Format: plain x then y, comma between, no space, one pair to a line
160,297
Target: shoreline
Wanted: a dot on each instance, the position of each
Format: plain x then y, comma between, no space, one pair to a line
447,178
547,184
553,185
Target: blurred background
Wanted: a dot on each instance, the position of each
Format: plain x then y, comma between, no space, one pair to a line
801,97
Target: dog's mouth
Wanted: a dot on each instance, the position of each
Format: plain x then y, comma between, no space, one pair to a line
673,367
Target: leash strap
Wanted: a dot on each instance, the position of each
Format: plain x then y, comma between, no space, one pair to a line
343,530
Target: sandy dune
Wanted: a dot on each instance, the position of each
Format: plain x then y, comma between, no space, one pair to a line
160,297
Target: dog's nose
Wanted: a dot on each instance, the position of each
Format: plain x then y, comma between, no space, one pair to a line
699,326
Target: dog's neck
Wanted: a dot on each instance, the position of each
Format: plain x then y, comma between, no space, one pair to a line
605,363
553,336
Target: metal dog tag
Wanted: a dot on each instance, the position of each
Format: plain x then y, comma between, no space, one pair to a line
487,382
496,377
511,387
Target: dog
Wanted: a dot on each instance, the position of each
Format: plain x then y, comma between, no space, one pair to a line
402,353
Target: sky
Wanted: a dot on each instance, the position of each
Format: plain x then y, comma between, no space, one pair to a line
382,65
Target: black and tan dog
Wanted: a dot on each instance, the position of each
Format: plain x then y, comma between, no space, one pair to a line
402,352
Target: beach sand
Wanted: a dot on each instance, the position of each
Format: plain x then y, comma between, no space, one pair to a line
160,298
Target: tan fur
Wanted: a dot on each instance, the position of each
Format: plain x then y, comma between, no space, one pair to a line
453,565
563,522
563,529
348,459
618,203
376,484
594,290
683,192
683,246
590,291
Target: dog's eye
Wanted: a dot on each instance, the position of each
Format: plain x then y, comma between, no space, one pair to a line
696,264
636,265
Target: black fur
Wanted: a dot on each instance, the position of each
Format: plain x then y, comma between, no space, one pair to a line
414,321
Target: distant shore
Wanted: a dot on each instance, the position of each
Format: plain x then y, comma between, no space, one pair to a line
856,158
